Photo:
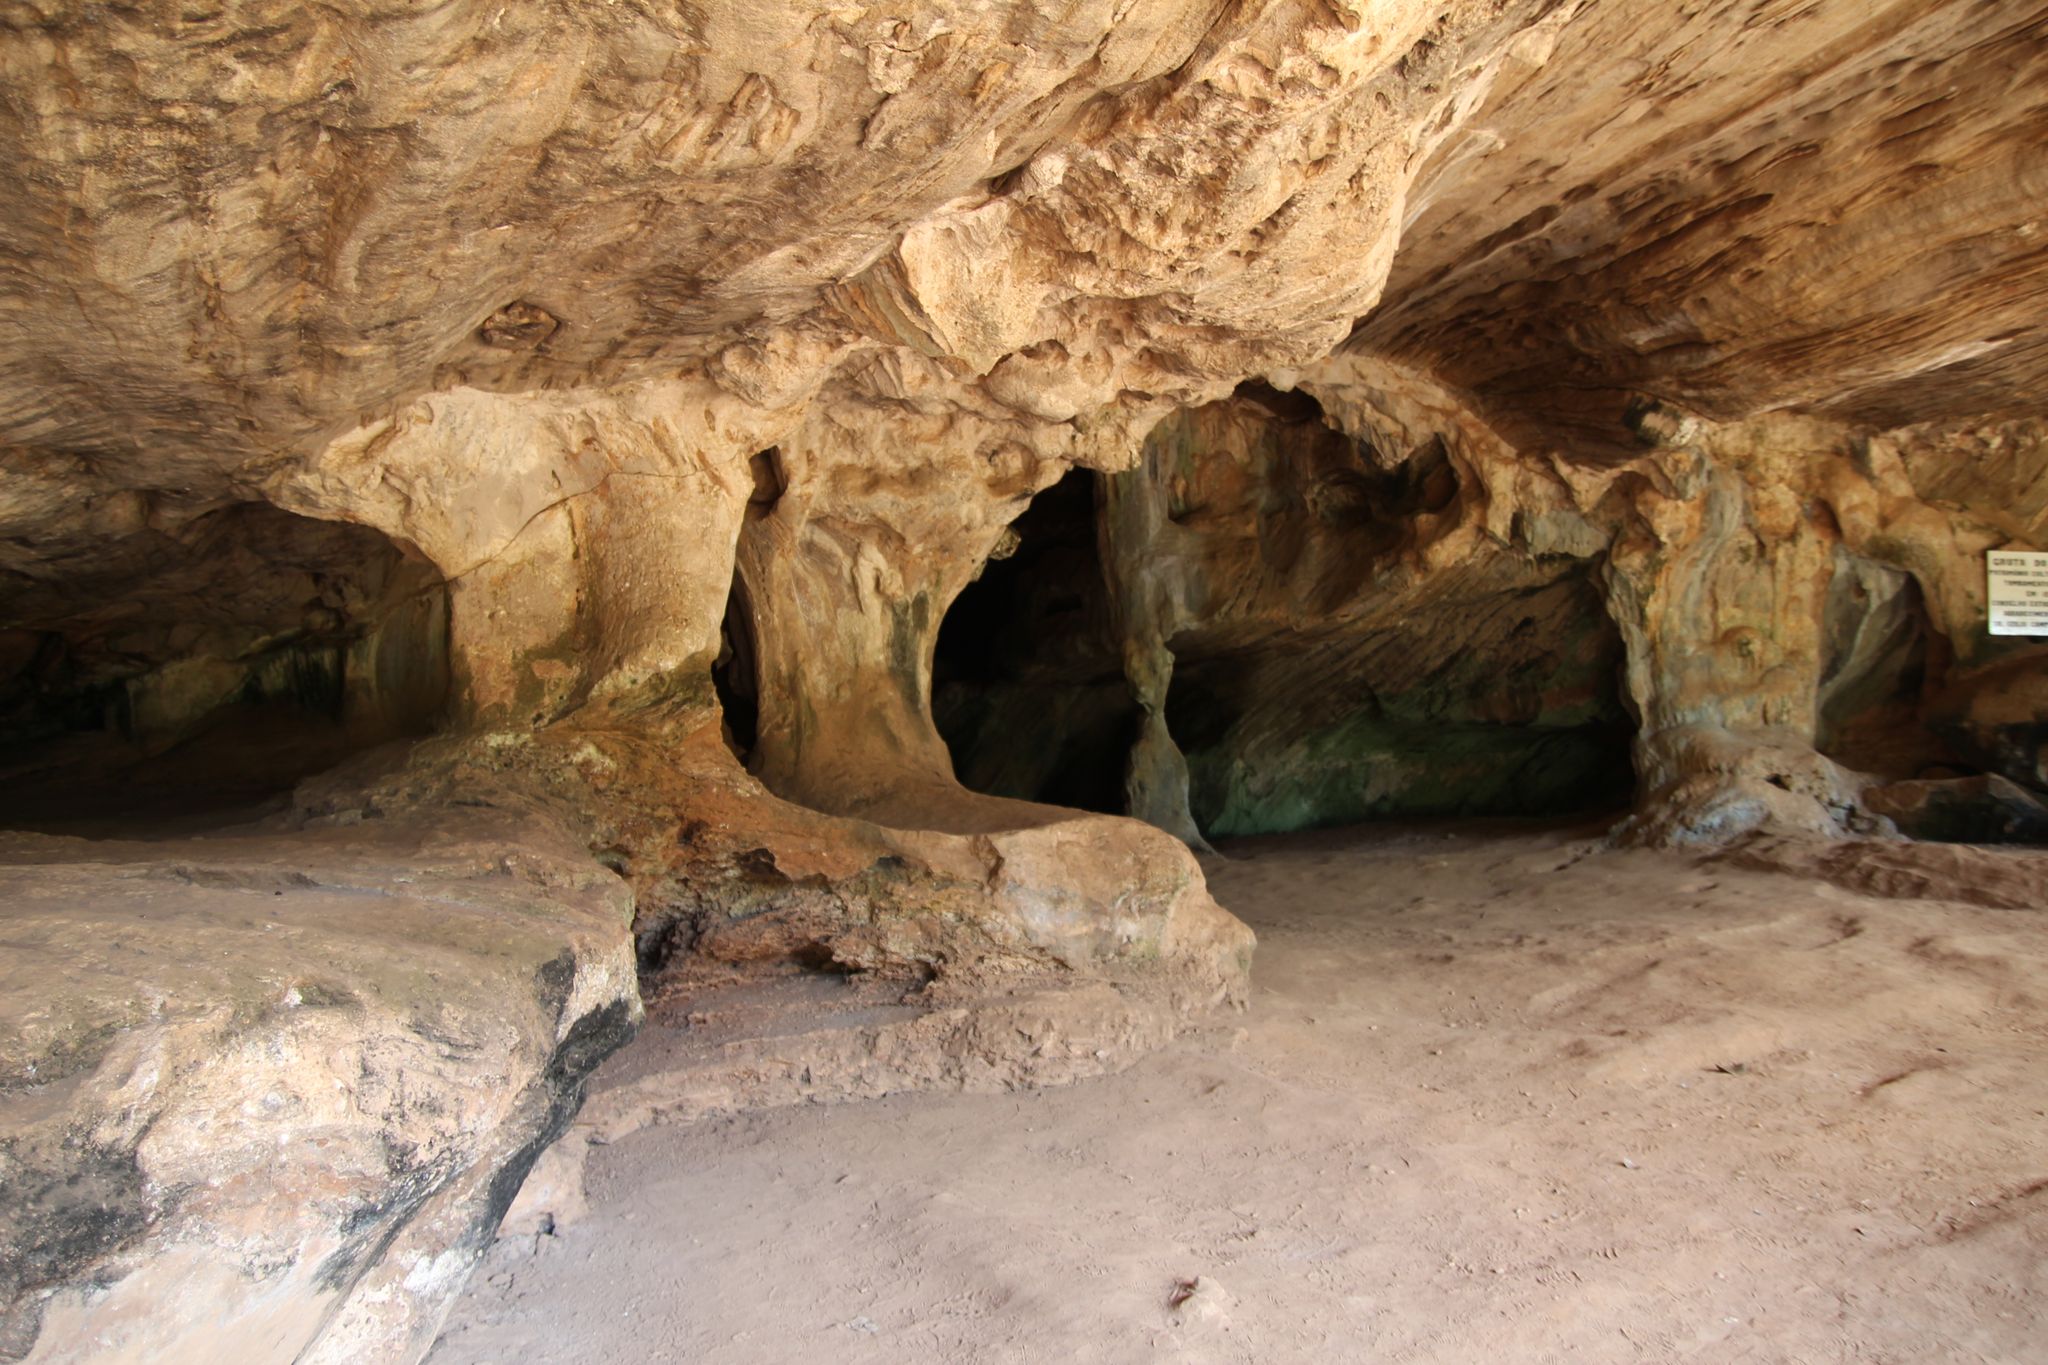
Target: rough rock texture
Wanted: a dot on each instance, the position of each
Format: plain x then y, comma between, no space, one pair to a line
1754,569
1341,644
1830,207
259,644
265,1098
729,877
1621,372
1006,243
1058,202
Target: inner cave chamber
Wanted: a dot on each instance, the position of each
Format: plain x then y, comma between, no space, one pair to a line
1028,688
194,666
1341,632
1318,674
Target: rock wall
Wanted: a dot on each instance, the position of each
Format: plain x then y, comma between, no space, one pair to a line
1380,602
1328,661
1754,570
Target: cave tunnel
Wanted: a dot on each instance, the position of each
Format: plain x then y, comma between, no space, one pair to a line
1027,680
1506,704
1329,691
1342,686
190,674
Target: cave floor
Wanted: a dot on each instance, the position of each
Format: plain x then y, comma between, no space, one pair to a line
1501,1095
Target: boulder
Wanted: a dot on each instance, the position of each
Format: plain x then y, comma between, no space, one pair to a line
265,1096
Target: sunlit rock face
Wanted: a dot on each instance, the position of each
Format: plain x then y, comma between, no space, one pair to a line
1434,406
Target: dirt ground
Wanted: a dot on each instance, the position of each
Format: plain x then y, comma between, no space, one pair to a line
1501,1096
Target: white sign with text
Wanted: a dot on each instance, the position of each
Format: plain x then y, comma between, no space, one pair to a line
2019,592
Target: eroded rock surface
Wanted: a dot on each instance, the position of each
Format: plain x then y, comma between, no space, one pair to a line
1343,642
265,1097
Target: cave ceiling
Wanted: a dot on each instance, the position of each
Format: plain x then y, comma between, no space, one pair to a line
229,234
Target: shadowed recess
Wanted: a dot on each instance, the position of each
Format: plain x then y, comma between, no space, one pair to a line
210,665
1028,690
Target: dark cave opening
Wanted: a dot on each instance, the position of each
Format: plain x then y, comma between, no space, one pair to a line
1334,687
1893,705
1881,656
735,674
1330,681
1028,688
1506,704
179,675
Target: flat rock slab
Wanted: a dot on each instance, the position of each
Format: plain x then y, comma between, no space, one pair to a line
818,1039
264,1096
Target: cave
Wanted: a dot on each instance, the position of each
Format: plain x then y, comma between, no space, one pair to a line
1347,687
1028,688
200,666
1293,682
1496,694
1527,724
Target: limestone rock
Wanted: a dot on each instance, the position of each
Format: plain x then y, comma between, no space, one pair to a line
266,1097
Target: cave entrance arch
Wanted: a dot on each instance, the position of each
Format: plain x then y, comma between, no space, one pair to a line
1028,688
1322,676
1326,683
193,671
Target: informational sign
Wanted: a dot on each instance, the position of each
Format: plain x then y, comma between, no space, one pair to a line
2019,592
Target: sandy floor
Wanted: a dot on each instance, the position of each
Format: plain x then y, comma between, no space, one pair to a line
1500,1097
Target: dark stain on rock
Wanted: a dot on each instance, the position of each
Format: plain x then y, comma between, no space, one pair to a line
64,1210
555,978
909,630
370,1229
558,1094
551,1100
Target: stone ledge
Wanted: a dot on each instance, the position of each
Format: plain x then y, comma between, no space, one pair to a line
265,1096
